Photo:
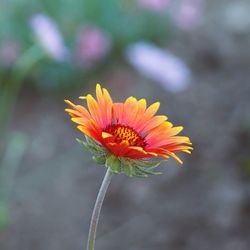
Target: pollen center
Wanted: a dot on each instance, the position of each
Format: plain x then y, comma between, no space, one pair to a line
125,133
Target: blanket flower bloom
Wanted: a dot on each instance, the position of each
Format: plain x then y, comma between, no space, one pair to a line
127,137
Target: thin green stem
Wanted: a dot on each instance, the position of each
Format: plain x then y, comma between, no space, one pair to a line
97,210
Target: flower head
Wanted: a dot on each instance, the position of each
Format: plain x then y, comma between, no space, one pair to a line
127,136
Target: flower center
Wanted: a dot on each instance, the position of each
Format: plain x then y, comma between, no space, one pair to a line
125,133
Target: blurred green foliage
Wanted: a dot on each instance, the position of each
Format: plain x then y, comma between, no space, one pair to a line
4,216
124,21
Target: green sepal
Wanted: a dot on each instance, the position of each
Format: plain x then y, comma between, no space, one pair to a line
147,171
128,169
82,143
91,141
99,159
139,168
93,146
147,164
139,173
114,163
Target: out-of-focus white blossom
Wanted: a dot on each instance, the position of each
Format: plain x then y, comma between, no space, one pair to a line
159,65
155,5
9,52
93,44
189,14
49,36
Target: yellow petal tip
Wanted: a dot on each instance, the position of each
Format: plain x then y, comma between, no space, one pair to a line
106,135
83,97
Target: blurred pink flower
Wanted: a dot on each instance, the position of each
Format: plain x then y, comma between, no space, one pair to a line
159,65
9,52
189,14
49,36
92,46
155,5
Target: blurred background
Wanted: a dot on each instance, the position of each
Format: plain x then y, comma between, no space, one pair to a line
191,55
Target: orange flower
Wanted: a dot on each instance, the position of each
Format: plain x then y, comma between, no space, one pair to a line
128,130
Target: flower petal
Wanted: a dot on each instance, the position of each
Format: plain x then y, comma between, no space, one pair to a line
150,111
94,110
105,105
152,123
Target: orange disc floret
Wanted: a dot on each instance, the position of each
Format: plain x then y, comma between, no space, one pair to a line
129,129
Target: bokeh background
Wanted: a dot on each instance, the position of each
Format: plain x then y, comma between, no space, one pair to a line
191,55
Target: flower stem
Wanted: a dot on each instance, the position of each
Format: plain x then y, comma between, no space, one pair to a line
97,209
